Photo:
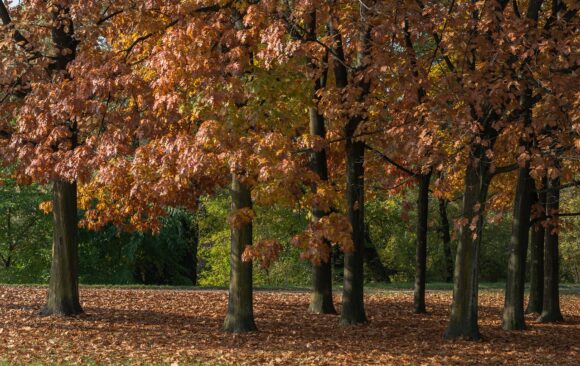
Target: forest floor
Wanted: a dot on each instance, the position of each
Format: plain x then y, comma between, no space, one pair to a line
182,327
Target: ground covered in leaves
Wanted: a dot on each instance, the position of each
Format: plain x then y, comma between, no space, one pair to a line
136,326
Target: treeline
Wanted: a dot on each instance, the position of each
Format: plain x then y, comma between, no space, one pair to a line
322,106
192,249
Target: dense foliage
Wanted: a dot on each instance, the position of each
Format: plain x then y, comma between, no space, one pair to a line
111,256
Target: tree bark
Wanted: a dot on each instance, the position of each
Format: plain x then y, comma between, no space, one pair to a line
445,229
240,315
421,246
353,311
321,299
63,287
537,263
513,311
551,302
463,319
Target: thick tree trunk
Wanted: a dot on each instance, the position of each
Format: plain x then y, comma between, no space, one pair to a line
445,229
353,311
551,304
421,245
463,320
240,315
373,261
513,311
321,299
63,287
537,263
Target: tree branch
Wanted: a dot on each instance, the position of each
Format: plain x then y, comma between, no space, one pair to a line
565,214
573,183
505,169
391,161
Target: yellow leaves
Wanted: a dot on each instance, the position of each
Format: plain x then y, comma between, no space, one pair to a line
45,207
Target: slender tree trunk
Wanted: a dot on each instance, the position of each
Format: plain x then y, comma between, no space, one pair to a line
513,311
421,246
321,299
446,236
463,320
63,287
353,311
551,304
240,315
537,263
373,261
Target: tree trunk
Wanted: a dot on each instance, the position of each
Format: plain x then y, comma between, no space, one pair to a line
321,299
373,261
353,311
421,249
446,236
513,311
463,320
240,315
63,287
551,304
537,263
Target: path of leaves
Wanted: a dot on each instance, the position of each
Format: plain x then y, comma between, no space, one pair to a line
131,326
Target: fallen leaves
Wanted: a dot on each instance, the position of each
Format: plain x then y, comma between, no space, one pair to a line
133,326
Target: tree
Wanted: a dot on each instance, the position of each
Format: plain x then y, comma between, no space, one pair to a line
446,237
63,295
352,298
240,314
536,296
421,256
513,315
321,300
551,301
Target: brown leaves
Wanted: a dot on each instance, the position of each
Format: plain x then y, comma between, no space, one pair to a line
264,251
240,217
334,229
130,326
